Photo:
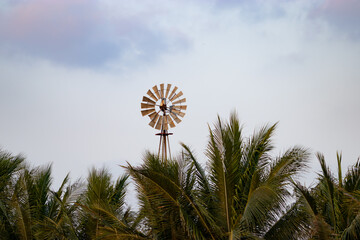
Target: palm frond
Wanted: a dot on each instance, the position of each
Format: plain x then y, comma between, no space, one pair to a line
294,224
338,158
353,230
328,190
352,177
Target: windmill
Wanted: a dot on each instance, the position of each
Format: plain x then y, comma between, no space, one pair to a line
163,107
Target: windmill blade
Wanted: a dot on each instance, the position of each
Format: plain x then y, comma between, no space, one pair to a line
162,90
177,120
148,111
170,121
159,123
181,114
180,107
173,92
156,90
176,96
174,110
179,101
154,119
152,95
151,116
167,90
146,105
165,124
146,99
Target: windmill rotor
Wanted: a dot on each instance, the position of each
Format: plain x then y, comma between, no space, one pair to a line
163,101
165,107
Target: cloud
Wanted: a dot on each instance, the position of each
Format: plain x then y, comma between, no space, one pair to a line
80,33
269,70
92,33
257,10
343,15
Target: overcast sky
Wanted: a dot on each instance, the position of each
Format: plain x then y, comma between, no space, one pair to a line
73,73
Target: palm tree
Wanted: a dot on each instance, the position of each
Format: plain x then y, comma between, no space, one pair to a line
331,209
24,199
9,168
242,195
250,187
103,214
168,200
62,211
38,212
28,208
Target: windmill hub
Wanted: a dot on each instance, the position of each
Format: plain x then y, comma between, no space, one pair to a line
163,107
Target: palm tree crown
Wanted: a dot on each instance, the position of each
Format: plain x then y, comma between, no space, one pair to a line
241,195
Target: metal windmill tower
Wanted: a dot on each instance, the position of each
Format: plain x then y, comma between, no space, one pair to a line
163,107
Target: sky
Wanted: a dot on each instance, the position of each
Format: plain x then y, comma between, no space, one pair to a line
73,73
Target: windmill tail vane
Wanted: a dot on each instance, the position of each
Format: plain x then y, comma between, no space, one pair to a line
164,107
